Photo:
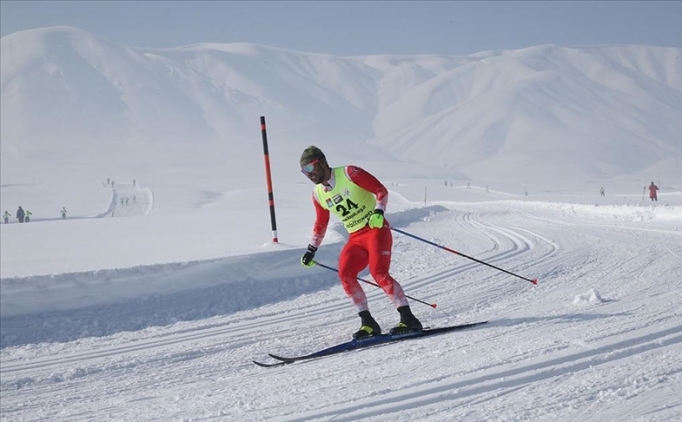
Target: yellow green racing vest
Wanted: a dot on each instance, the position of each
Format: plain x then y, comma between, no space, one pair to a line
348,201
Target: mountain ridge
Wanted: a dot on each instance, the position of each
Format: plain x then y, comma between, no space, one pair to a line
614,109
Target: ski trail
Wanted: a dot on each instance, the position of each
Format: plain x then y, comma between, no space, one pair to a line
539,344
506,380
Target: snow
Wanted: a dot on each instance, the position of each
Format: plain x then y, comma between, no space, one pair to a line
156,313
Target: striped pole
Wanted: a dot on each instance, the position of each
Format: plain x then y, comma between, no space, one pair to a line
268,176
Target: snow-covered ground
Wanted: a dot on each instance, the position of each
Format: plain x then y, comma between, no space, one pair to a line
158,317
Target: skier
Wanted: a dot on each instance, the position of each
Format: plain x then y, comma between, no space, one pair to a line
63,212
20,214
6,216
359,200
652,192
27,217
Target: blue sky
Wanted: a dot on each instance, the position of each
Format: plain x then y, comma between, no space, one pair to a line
359,27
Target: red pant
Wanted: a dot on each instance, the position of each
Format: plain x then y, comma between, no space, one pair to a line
373,247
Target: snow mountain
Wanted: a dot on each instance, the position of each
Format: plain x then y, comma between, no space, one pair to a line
496,114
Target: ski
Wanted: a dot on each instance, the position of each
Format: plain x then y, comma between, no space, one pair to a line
366,342
270,365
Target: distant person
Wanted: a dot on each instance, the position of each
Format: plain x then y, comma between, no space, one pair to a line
20,214
652,192
27,217
601,191
63,212
358,199
6,216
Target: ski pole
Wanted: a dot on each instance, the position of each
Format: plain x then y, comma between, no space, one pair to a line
534,280
433,305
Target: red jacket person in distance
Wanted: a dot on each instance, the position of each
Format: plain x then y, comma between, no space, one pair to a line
359,200
652,192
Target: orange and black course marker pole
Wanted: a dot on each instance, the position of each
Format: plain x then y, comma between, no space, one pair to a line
268,176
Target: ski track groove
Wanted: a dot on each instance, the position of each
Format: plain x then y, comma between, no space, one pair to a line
489,383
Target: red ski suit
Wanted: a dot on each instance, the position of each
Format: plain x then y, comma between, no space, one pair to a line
366,246
652,192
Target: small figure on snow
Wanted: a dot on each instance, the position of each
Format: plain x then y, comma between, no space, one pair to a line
6,216
20,214
27,216
63,212
601,191
652,192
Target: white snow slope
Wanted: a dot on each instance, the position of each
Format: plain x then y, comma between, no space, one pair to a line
156,313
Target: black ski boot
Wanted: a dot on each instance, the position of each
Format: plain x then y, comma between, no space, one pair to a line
408,322
369,326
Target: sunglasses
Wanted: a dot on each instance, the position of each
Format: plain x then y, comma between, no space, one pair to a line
308,168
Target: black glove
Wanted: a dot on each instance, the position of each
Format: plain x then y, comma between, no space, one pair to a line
307,258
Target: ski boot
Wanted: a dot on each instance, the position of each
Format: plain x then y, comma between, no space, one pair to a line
369,326
408,322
